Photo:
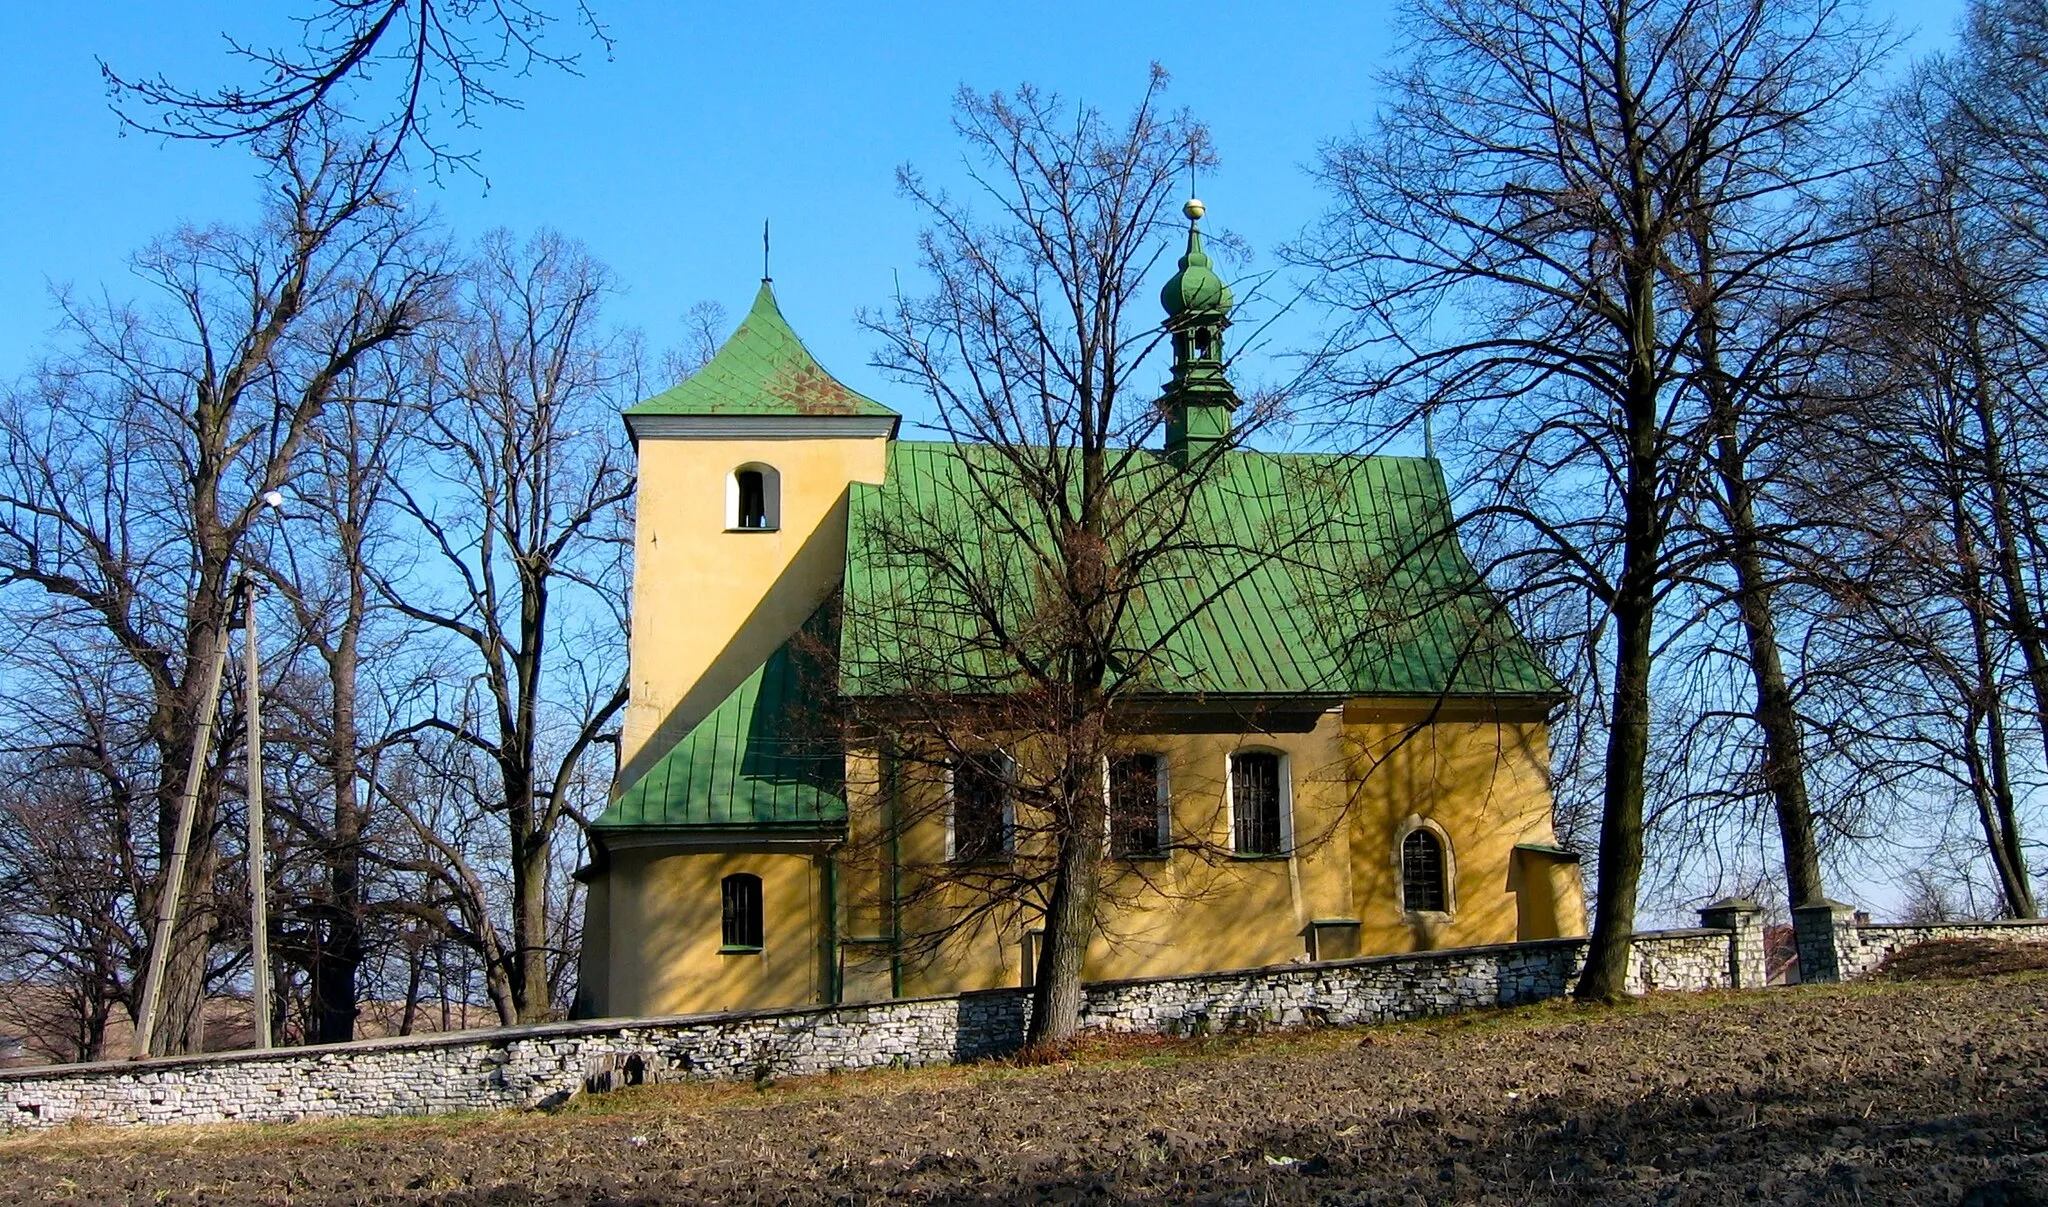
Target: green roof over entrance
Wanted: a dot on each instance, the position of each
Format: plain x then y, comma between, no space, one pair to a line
761,369
759,761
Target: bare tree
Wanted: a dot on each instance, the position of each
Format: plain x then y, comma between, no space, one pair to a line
1006,633
1539,170
703,324
403,67
69,935
340,709
515,505
1936,637
135,463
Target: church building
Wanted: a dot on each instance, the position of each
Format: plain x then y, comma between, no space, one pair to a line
1345,752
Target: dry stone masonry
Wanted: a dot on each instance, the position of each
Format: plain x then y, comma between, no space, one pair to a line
523,1067
1834,946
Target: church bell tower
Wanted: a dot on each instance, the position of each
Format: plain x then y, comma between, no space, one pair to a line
1199,398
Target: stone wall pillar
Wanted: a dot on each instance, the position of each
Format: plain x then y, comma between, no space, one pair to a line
1743,919
1826,933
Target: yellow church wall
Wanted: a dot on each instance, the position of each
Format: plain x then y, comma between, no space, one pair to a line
666,925
1359,779
1204,908
1479,778
593,960
710,605
1357,787
1550,900
868,963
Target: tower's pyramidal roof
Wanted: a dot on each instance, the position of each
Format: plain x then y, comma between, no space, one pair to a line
761,369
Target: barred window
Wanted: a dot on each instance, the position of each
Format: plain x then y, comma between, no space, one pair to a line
981,806
742,898
1422,872
1136,806
1256,802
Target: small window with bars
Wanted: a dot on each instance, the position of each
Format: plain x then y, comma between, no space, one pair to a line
1137,806
742,900
1257,803
1422,873
981,808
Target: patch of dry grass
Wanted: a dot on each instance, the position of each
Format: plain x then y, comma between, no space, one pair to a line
1963,959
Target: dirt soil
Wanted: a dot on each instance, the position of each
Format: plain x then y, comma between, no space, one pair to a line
1931,1091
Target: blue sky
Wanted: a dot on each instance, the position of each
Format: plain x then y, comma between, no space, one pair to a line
706,119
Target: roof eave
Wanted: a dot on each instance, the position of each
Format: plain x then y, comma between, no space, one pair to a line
760,427
794,835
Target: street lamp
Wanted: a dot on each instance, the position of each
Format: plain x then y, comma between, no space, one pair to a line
259,882
259,888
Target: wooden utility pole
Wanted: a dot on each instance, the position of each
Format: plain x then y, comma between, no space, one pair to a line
259,893
174,876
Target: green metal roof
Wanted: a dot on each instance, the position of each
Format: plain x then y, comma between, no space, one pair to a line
1287,575
761,369
761,760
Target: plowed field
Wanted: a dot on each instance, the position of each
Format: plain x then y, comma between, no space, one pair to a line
1895,1091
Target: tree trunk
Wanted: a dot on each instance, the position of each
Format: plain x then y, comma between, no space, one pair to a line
415,968
181,1005
1069,921
2001,821
1621,820
181,1002
1777,718
2019,604
94,1047
338,956
1996,810
1634,605
530,928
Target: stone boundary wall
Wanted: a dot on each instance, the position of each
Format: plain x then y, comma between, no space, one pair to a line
520,1067
1834,946
1860,949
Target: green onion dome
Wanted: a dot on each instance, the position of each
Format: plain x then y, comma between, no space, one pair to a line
1195,289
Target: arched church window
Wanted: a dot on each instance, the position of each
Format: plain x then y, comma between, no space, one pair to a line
753,500
1422,873
1201,343
742,901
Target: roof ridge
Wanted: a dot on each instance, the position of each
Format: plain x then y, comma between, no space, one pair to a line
1327,454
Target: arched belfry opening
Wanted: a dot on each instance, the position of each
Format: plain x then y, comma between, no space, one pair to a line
753,499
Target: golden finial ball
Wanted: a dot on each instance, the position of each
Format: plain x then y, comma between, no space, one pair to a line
1194,208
